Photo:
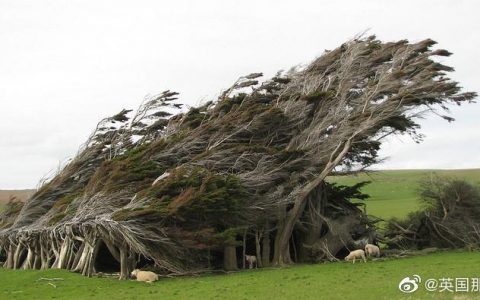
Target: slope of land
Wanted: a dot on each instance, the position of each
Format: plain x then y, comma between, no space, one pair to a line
19,194
393,193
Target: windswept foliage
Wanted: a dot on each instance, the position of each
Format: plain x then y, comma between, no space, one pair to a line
180,189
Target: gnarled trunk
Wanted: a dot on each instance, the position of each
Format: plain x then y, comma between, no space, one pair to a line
29,260
339,236
284,233
18,255
9,262
127,263
86,262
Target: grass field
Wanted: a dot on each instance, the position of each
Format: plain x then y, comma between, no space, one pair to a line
373,280
394,193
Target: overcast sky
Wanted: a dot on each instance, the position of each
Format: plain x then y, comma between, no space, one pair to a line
66,64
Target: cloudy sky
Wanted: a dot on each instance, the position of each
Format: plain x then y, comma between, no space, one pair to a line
66,64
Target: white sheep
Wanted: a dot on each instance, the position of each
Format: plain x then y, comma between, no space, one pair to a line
146,276
251,259
356,254
372,250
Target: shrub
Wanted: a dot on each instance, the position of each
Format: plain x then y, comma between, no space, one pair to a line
450,217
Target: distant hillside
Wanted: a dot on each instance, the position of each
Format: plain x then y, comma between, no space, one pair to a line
20,194
393,193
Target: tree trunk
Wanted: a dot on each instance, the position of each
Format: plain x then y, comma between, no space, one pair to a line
281,255
64,253
266,250
78,255
44,257
258,249
71,256
83,257
284,232
126,265
230,258
9,263
337,237
56,254
28,262
244,245
313,225
91,258
17,256
87,259
37,263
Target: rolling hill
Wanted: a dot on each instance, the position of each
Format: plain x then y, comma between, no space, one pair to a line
20,194
393,193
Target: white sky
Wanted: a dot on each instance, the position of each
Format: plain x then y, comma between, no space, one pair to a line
64,65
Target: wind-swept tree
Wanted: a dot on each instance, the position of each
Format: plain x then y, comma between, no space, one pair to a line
182,190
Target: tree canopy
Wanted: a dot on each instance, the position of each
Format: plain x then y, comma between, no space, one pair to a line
177,187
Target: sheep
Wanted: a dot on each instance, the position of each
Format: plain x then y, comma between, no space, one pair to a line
372,250
251,259
356,254
146,276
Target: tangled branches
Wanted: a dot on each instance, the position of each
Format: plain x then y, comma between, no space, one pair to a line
450,217
174,187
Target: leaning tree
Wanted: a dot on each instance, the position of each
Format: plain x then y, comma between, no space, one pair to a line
189,190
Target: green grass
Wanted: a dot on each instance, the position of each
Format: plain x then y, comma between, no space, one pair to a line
394,193
373,280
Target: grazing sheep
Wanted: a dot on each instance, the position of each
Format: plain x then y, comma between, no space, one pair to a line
251,259
372,250
146,276
356,254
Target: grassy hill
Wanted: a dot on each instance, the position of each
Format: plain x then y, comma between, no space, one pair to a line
20,194
394,193
372,280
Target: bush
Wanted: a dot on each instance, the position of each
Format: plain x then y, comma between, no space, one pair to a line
450,217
